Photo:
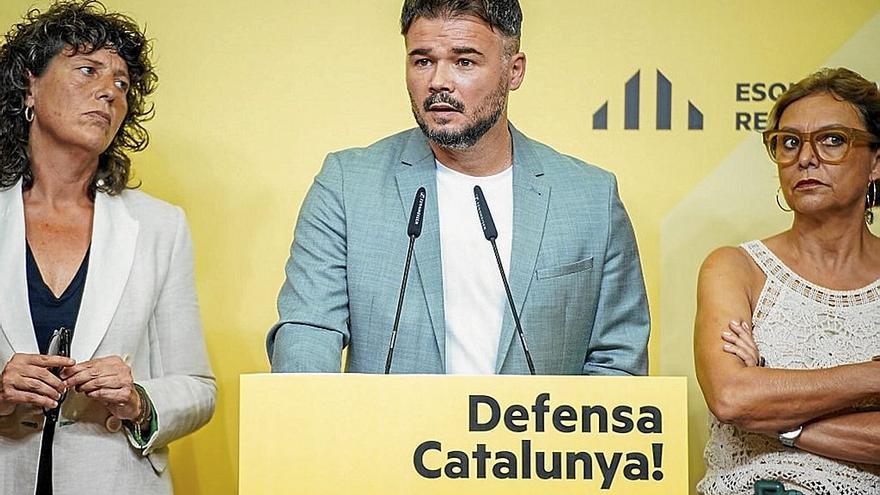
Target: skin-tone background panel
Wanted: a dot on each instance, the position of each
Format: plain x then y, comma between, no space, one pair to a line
252,95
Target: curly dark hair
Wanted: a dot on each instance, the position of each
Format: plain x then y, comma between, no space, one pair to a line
83,26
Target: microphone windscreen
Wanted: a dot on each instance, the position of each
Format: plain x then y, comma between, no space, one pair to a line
485,215
416,215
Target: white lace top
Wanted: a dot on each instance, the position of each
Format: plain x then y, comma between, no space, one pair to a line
797,325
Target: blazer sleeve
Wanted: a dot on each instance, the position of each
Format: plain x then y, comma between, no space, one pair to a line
619,340
313,314
182,388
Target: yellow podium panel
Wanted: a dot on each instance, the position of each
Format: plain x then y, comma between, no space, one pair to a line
435,434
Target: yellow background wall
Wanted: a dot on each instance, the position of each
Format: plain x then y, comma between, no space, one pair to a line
253,94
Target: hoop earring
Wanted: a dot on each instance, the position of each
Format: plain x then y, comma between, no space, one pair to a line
871,198
29,114
872,195
779,203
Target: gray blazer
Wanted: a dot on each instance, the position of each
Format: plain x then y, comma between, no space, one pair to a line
574,270
139,303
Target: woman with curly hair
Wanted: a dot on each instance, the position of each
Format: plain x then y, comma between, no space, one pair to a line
89,267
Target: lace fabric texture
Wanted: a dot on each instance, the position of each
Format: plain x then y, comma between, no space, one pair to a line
797,325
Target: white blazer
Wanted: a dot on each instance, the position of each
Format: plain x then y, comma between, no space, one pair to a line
139,303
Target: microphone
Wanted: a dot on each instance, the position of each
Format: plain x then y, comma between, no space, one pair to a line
491,234
413,230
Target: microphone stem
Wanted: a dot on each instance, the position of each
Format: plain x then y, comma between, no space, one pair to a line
409,251
519,331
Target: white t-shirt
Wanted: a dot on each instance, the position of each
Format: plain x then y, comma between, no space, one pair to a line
474,301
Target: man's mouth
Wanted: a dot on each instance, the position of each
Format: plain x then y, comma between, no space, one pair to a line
442,102
442,107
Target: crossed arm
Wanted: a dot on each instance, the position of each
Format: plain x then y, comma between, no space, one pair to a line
770,401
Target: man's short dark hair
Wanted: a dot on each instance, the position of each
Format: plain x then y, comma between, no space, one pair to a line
503,15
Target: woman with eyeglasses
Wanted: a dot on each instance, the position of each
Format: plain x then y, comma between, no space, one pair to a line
787,328
90,267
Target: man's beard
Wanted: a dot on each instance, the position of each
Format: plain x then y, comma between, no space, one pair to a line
484,118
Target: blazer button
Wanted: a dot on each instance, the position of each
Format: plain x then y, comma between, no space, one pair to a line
113,424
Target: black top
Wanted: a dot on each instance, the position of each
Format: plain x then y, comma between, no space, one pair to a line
48,313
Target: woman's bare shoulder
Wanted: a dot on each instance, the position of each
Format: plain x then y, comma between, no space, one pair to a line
729,260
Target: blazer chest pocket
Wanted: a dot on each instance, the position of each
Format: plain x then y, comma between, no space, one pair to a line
567,269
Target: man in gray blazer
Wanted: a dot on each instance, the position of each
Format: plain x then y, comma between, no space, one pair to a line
563,234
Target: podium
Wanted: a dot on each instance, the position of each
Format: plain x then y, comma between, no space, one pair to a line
334,434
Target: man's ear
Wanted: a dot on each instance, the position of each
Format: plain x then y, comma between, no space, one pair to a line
517,67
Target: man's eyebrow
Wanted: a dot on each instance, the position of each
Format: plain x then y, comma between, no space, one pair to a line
466,50
463,50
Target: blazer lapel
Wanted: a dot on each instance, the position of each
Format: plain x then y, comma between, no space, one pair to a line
531,196
15,312
420,171
114,237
